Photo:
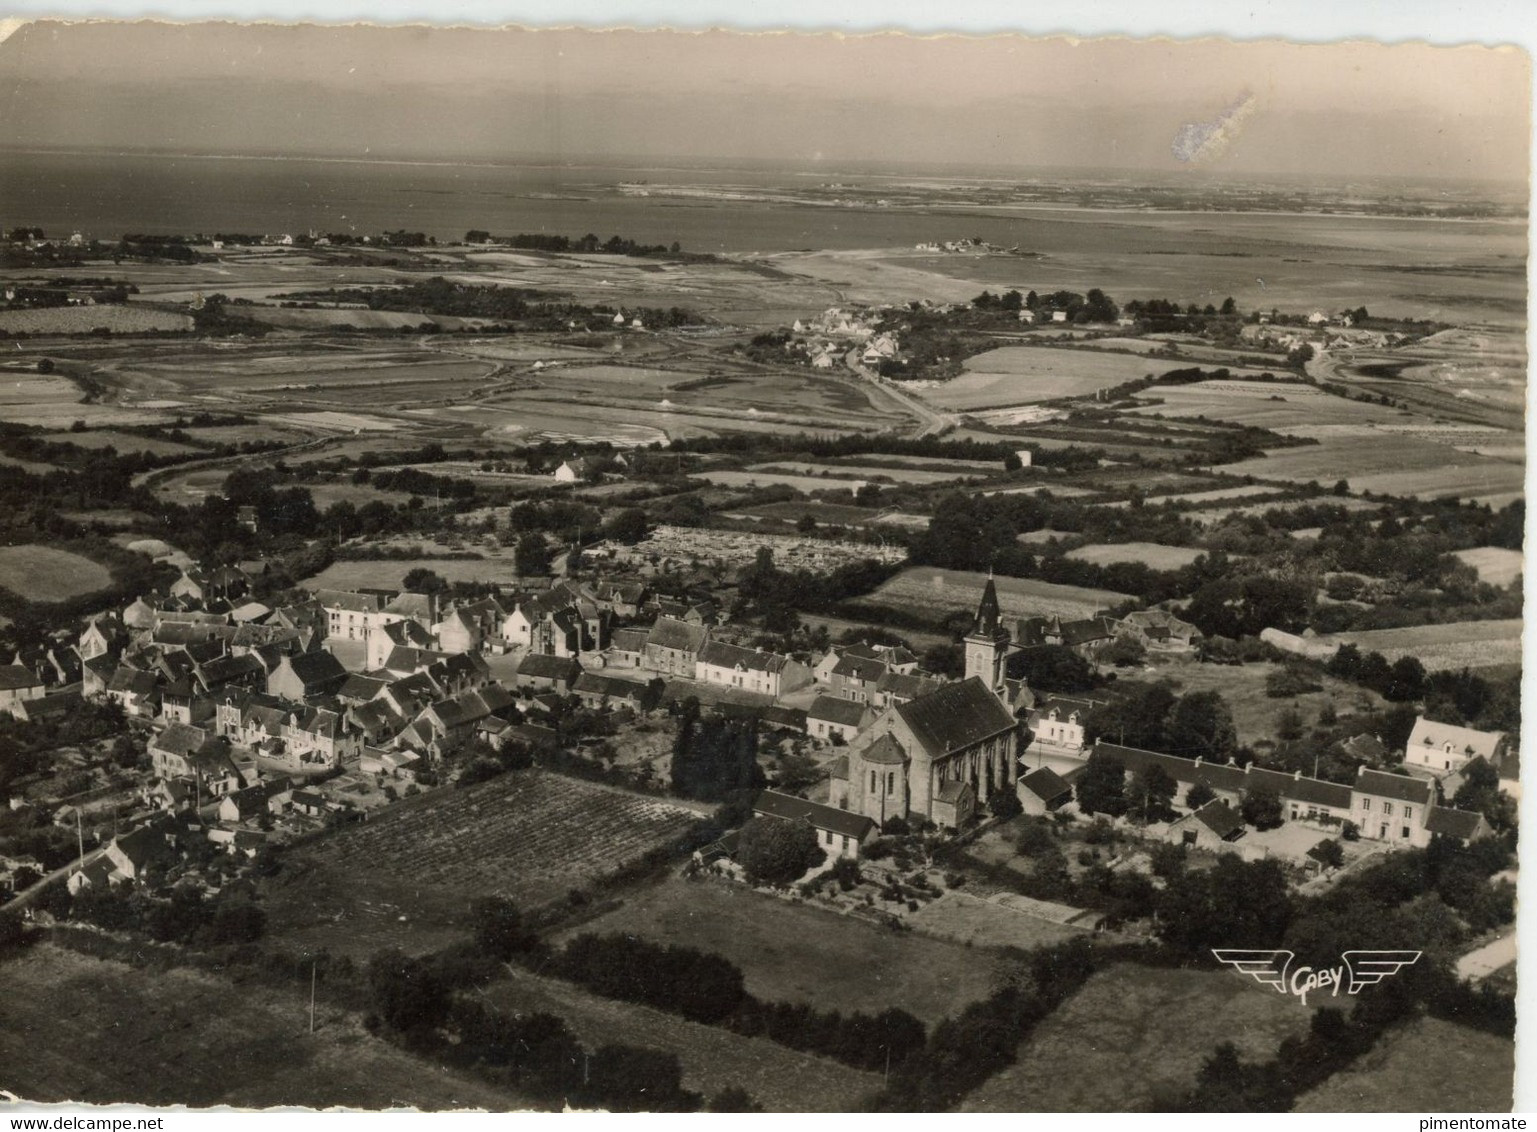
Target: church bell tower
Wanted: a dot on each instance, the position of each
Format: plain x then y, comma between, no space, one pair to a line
988,642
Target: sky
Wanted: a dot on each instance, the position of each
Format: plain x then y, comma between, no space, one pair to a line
1335,110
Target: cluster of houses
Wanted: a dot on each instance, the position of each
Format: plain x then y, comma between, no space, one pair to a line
939,754
255,726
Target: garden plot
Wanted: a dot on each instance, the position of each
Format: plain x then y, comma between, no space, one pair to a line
926,590
407,876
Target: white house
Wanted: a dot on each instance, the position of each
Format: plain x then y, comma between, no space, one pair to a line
570,471
1443,749
751,670
841,833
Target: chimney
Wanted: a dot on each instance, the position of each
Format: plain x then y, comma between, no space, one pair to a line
1360,770
1198,760
1296,776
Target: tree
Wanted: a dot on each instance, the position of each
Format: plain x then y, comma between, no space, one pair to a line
629,526
1235,903
532,555
1053,668
1124,652
499,928
1406,680
806,524
1202,725
407,994
776,850
1198,795
45,365
1289,724
1261,806
424,581
1229,307
733,1098
1102,789
1151,792
1004,804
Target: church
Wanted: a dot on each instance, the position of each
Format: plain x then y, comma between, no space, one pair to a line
940,756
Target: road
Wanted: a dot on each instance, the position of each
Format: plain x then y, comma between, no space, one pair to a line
26,896
930,421
1486,960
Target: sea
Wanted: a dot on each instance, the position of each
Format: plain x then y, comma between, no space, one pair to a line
106,195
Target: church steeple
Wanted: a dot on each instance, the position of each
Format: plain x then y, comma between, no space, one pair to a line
988,642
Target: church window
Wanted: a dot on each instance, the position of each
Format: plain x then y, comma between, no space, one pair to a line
872,782
891,782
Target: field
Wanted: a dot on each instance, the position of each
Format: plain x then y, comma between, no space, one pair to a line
407,877
866,471
799,953
778,1078
1283,406
1019,375
1461,644
1495,565
975,922
1155,555
42,573
803,484
928,589
54,402
385,574
97,1031
1396,465
1473,1072
82,320
123,441
1132,1031
1243,687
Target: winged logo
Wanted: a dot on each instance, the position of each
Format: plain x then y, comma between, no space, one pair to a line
1369,967
1267,967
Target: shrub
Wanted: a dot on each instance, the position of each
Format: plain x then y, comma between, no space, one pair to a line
1004,804
776,851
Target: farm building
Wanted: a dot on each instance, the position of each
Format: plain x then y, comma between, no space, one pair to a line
839,832
1056,725
570,471
538,672
1213,827
599,692
1042,791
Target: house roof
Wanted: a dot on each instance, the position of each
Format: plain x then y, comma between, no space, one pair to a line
1216,775
1465,741
628,640
1399,787
356,601
774,804
670,633
1220,818
956,716
538,664
361,688
1464,824
132,681
859,667
721,655
313,668
599,684
906,685
1046,784
1366,746
15,676
1064,706
836,709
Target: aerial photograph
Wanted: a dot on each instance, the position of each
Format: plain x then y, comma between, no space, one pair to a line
662,571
